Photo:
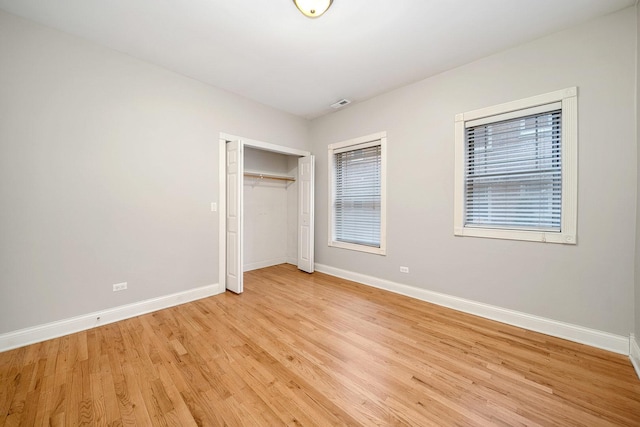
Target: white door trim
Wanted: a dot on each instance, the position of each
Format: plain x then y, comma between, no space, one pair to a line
266,146
222,213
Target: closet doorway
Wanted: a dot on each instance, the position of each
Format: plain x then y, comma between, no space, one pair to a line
266,208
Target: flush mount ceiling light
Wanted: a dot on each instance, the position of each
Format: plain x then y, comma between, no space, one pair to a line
312,8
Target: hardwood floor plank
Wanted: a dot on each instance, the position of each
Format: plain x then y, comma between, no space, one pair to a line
180,412
311,349
56,405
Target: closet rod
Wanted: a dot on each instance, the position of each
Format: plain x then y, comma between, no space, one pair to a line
267,176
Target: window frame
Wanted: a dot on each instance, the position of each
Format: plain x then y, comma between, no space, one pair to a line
569,155
341,146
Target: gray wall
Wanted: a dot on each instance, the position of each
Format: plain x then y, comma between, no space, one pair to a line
108,166
637,270
589,284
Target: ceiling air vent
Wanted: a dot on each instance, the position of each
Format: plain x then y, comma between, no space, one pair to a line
340,103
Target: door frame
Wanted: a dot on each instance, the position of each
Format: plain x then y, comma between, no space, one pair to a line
222,190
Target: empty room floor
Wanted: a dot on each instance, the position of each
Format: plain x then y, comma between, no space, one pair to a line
300,349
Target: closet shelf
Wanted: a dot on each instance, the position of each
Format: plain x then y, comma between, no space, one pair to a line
269,176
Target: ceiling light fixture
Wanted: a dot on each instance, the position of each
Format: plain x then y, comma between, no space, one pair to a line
312,8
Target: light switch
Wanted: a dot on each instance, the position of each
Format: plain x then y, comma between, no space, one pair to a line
214,207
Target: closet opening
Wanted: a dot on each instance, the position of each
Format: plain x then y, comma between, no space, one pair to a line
266,208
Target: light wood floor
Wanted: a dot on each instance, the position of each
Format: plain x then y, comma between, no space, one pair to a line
299,349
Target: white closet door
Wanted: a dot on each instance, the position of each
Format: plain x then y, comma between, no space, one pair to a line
305,213
235,176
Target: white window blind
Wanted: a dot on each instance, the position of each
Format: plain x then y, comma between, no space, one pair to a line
357,200
513,172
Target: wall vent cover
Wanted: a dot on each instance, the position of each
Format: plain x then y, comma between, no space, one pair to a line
341,103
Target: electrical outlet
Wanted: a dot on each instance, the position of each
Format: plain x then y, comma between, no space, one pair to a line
119,286
404,269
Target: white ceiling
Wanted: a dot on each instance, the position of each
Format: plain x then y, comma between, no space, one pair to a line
266,50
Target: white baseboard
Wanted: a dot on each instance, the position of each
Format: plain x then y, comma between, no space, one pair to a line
291,260
263,264
604,340
634,354
83,322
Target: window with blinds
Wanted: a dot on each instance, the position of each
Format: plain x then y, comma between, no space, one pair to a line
513,173
516,174
357,194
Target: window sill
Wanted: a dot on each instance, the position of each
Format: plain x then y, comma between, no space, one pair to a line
359,248
531,236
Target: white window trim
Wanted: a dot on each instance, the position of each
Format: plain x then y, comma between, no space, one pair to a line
567,235
341,146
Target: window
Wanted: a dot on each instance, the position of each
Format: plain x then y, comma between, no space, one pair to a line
516,170
357,194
